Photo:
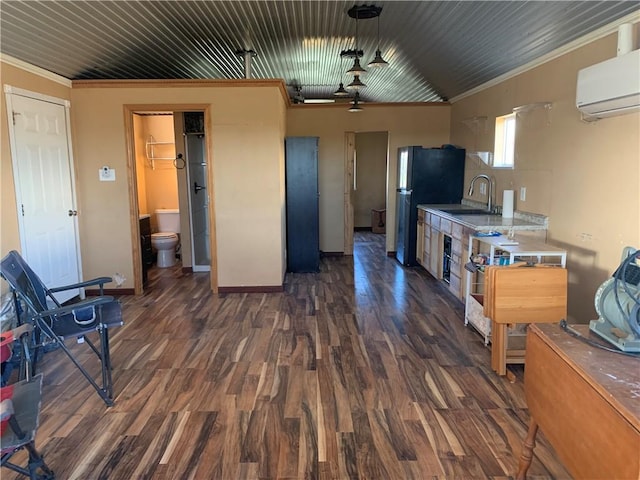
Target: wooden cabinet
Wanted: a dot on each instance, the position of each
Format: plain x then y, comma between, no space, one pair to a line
303,227
146,252
431,249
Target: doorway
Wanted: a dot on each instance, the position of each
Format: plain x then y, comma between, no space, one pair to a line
170,172
365,185
45,188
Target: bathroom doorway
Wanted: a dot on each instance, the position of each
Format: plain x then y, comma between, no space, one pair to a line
171,174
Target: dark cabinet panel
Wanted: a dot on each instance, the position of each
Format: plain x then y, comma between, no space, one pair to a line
146,251
303,231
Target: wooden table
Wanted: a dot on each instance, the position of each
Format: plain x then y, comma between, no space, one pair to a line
521,294
586,401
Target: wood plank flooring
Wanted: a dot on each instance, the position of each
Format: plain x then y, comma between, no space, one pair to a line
362,371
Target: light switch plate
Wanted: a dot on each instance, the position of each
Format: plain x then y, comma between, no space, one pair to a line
106,174
523,194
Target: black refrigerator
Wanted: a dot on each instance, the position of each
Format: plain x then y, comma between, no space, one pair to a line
303,226
425,176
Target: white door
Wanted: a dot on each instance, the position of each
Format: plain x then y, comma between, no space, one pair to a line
47,215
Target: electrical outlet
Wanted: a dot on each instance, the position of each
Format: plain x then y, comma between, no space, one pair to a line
106,174
119,279
483,189
523,194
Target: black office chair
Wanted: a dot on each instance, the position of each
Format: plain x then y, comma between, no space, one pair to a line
56,323
20,410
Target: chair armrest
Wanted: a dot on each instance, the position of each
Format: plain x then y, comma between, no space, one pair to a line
89,283
21,330
92,302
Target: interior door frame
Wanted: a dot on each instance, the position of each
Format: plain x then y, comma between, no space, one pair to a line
9,92
129,111
349,156
349,163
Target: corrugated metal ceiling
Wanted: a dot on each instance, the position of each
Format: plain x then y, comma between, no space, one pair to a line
436,50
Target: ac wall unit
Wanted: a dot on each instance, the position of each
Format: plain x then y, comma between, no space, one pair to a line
610,88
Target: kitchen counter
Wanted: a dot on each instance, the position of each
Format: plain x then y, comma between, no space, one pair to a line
521,221
443,233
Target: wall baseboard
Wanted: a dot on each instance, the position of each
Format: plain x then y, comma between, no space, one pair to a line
187,269
332,254
362,229
391,254
252,289
114,292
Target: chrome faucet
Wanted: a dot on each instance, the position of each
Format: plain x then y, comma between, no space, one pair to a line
489,189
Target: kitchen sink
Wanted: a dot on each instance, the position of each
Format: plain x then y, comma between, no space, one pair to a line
467,211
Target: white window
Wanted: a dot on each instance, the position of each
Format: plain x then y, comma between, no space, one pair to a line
505,141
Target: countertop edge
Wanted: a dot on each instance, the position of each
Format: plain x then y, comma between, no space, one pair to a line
520,221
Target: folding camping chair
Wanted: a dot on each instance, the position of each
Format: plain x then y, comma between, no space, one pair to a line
56,323
20,410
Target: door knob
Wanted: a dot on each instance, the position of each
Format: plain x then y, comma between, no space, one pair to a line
197,188
73,213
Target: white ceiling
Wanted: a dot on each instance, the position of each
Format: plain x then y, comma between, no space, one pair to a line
437,50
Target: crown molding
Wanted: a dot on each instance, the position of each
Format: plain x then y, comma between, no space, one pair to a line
41,72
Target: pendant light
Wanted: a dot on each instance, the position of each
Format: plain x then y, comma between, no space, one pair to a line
355,105
378,61
341,92
356,84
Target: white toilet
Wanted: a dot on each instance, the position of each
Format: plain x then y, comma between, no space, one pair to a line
166,240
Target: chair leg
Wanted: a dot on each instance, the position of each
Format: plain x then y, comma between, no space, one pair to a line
107,379
101,391
38,469
105,360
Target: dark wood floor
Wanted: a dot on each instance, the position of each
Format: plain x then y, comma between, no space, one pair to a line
364,370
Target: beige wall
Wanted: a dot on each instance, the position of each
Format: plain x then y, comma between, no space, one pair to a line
246,144
584,176
407,125
160,176
16,77
371,176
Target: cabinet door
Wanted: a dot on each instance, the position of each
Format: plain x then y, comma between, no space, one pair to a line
303,239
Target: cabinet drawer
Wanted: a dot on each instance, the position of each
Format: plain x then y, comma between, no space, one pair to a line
445,226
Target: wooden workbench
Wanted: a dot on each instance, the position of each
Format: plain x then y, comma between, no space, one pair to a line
586,401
